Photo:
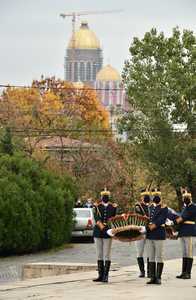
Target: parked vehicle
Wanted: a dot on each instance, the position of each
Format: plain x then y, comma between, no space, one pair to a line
84,223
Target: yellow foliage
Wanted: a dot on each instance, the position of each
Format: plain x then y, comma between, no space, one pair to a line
81,102
53,104
27,108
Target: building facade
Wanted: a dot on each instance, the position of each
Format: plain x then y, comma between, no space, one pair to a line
84,64
109,87
83,56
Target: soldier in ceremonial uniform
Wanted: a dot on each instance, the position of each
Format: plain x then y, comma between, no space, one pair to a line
155,237
142,208
102,212
187,230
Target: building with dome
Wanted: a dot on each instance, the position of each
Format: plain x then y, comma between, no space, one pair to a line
84,65
111,92
83,56
109,87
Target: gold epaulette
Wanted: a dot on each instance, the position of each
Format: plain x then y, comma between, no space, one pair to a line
97,203
113,204
163,206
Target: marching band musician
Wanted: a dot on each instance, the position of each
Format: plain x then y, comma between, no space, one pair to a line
187,230
142,208
102,212
155,236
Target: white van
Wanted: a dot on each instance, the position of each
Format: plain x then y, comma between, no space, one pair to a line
84,222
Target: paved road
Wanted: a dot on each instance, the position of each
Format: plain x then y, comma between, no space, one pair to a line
122,253
123,284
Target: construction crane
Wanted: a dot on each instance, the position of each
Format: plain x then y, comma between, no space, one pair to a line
74,16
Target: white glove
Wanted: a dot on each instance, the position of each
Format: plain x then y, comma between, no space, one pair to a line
109,232
142,229
169,222
175,234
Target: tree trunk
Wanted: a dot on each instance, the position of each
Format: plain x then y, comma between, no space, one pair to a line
193,192
179,197
192,186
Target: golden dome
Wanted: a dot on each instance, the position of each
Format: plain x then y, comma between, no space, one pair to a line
108,73
84,38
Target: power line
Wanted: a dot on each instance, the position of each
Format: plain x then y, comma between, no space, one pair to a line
61,88
38,130
67,109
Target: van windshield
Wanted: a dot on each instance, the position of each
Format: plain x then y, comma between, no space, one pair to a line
80,213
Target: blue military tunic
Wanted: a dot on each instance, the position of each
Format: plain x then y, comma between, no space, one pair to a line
188,227
103,213
158,216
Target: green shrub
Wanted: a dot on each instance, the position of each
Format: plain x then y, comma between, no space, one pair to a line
35,206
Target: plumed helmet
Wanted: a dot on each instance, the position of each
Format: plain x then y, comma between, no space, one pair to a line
186,194
144,192
105,192
156,192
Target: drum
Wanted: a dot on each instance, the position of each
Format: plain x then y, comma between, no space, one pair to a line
127,227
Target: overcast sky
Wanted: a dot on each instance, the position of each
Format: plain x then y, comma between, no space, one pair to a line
33,37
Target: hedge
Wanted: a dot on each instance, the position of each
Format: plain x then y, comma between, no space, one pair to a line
35,206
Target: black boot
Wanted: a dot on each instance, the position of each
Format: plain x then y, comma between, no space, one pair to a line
159,272
140,261
152,269
148,271
187,274
106,271
100,266
184,264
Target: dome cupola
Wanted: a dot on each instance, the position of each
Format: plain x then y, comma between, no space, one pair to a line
108,73
84,38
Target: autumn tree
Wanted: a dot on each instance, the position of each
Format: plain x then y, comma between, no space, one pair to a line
110,164
25,108
80,103
53,107
160,79
45,106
